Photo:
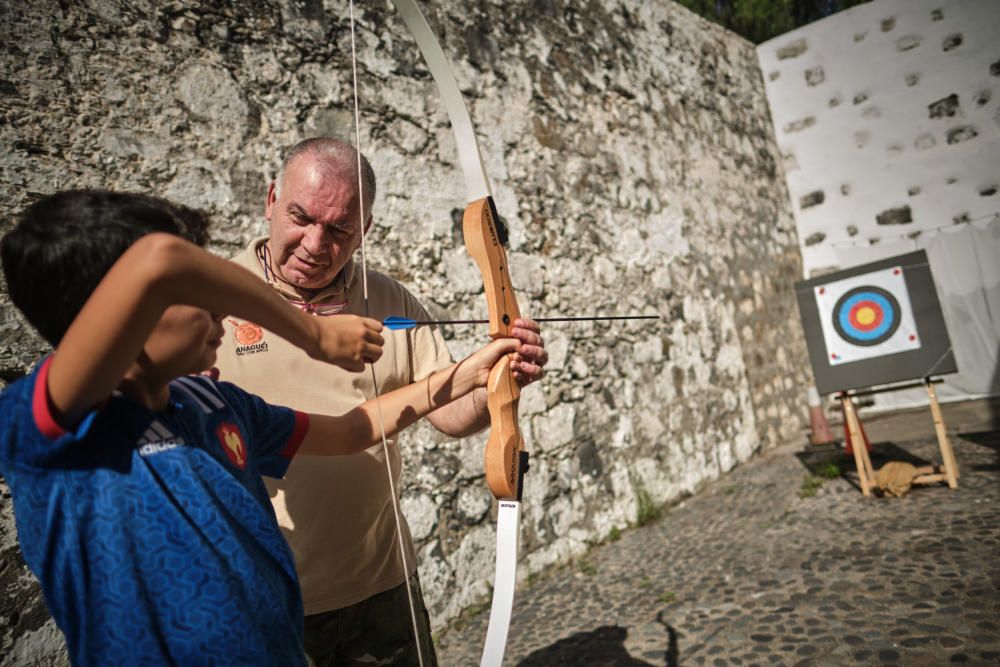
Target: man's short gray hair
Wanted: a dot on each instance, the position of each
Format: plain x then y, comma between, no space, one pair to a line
337,159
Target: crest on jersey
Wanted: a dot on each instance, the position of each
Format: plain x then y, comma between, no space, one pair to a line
232,444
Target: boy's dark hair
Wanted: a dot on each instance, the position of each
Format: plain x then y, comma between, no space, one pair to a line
64,244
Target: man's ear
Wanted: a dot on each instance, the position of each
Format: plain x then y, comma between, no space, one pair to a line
368,225
272,196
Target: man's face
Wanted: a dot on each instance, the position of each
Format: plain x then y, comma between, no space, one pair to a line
314,224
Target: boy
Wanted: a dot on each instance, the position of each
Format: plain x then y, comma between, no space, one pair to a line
137,487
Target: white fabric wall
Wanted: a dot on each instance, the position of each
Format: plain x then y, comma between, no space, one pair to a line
966,265
895,106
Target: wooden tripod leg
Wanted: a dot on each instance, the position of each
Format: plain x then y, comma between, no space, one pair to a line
947,455
864,450
865,475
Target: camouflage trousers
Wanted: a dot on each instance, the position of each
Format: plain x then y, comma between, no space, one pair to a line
376,631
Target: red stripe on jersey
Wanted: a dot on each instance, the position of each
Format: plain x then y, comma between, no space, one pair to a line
297,436
41,405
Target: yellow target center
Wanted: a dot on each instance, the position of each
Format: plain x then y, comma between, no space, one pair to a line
866,315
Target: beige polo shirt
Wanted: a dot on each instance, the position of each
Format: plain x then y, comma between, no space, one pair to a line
335,512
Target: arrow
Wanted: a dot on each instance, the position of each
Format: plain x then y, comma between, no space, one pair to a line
396,323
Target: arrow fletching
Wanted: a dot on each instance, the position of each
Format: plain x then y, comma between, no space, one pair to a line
396,323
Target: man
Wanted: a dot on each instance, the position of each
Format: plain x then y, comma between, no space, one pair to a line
338,517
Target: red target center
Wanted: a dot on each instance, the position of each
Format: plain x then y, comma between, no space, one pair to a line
866,315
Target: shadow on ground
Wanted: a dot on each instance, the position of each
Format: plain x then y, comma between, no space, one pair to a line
604,646
990,440
814,458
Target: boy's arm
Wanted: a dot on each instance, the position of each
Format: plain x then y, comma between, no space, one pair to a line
359,429
160,270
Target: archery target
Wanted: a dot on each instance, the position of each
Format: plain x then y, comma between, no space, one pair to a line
866,316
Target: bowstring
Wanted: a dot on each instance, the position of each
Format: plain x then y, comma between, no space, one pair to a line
378,402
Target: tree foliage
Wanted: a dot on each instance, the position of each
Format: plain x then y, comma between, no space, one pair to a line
760,20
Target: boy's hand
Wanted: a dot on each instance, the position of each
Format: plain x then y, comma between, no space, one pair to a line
349,341
477,366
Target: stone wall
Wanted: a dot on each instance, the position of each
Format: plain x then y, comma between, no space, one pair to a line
901,156
874,154
631,154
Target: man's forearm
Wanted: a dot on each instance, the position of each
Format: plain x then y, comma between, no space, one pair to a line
463,417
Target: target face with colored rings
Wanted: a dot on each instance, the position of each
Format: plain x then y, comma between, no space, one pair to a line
866,315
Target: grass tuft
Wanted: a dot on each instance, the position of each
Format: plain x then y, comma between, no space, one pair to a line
647,511
810,485
667,597
828,470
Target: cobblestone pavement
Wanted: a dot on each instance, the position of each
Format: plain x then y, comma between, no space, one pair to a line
764,567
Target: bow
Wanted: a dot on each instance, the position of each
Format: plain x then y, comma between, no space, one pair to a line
506,460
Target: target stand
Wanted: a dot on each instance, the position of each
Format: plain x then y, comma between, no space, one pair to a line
878,325
946,472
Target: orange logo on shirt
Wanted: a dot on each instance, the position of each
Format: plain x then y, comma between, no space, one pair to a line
247,333
232,444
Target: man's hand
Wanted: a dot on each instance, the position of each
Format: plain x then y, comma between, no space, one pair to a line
349,341
531,355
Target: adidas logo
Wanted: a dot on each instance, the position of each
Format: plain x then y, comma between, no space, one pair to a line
156,439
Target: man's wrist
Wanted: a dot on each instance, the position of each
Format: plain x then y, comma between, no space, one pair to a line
479,401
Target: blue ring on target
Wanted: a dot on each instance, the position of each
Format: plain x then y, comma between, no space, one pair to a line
886,306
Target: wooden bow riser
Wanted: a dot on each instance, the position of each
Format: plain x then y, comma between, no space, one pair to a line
483,244
504,445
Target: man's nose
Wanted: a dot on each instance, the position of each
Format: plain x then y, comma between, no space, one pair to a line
315,239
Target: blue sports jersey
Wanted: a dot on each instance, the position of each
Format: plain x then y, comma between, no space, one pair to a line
152,533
